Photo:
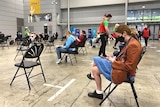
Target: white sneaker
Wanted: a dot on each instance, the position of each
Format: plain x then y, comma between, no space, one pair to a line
59,61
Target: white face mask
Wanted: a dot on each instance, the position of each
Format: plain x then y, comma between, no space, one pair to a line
145,26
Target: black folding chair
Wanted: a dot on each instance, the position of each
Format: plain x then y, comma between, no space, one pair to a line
30,60
3,40
49,44
128,80
69,53
24,45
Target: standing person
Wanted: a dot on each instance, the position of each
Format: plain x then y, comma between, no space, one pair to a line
115,36
104,34
66,47
116,69
26,31
146,33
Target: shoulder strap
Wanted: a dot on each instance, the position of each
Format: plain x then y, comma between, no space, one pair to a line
125,48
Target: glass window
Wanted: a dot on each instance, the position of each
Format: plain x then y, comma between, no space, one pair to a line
147,14
139,15
143,15
156,14
130,15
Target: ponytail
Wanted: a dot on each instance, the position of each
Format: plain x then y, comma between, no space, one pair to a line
134,33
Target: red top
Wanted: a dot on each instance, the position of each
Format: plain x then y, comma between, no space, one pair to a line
81,37
146,32
101,27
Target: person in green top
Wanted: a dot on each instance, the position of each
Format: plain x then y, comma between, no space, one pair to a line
26,31
104,34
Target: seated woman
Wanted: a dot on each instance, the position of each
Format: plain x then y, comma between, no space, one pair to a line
115,69
80,39
66,47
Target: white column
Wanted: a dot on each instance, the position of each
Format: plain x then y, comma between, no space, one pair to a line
126,9
69,15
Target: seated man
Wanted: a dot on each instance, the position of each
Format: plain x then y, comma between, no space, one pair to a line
115,69
67,46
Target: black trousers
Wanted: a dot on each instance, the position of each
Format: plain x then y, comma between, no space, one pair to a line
146,40
104,41
119,39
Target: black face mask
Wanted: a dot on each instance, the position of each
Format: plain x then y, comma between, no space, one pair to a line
121,39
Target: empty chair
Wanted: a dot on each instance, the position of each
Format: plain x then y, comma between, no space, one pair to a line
49,44
4,40
24,45
30,60
18,39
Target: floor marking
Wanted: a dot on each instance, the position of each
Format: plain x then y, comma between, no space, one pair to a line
61,90
153,47
55,86
157,50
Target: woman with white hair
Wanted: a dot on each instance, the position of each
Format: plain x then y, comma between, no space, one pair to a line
66,47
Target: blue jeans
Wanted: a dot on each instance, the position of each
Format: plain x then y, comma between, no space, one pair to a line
59,50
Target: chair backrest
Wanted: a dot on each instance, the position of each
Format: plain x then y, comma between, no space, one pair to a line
1,37
73,45
46,36
51,39
142,53
34,51
84,42
130,79
26,41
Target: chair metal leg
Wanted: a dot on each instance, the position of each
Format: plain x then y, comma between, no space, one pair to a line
108,86
14,76
135,94
27,79
70,59
82,50
16,55
86,50
75,58
108,94
43,73
30,72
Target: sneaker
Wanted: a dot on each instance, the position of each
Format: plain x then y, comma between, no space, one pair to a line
90,77
59,61
95,95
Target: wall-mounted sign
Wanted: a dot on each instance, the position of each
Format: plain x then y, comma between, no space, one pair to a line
35,7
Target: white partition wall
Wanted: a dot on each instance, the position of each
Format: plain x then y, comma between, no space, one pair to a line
10,10
46,6
89,13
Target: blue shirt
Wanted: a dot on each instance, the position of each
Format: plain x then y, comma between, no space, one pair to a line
69,41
